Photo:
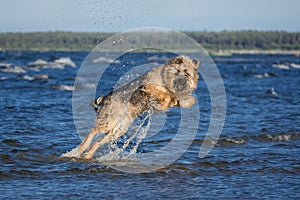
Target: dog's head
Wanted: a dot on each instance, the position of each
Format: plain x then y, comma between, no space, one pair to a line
183,74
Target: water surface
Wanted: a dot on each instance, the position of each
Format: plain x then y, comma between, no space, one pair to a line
257,155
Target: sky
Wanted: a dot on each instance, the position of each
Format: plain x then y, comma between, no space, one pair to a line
118,15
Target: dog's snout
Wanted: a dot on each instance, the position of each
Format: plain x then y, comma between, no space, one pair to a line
180,83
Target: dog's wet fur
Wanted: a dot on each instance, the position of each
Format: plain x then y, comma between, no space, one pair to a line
163,87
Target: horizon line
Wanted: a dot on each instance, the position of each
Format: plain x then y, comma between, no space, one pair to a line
205,30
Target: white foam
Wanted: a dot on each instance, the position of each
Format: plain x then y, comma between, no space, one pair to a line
36,77
28,78
64,87
65,61
41,77
236,141
296,66
38,62
280,138
119,153
71,154
265,75
272,92
57,64
281,66
52,65
35,69
89,85
13,69
3,64
105,60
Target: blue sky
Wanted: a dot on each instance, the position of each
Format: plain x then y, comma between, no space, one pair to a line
116,15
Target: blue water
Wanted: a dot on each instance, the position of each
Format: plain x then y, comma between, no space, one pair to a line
257,155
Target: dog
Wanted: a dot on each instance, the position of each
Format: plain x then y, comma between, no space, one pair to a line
163,87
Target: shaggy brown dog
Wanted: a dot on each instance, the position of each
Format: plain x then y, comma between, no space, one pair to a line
165,86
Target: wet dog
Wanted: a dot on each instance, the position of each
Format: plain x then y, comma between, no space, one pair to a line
163,87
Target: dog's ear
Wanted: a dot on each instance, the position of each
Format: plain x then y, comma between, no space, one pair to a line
179,60
96,103
176,60
196,62
98,100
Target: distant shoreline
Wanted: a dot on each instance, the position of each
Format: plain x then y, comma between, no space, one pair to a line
254,51
222,43
211,53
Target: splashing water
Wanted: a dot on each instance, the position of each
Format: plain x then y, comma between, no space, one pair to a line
137,131
127,152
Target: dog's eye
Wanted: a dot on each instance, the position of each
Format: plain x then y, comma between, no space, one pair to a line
186,74
177,70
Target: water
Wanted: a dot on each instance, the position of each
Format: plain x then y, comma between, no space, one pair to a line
257,155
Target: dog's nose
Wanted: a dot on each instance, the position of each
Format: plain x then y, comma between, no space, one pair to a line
180,83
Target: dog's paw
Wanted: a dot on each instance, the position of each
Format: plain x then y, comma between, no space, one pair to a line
87,156
156,105
187,102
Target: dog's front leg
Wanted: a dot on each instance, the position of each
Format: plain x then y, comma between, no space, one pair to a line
161,102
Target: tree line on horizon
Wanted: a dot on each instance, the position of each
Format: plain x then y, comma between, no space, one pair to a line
214,41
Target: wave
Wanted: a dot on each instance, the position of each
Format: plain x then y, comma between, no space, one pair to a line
57,64
279,137
12,142
2,78
286,66
26,77
264,75
63,87
38,62
281,66
48,65
296,66
234,140
4,64
72,87
85,86
272,92
38,77
65,61
9,68
54,66
105,60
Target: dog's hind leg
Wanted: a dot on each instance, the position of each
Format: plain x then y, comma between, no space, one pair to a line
87,141
109,137
76,152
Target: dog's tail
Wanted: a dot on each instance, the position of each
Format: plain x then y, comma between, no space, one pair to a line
97,103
